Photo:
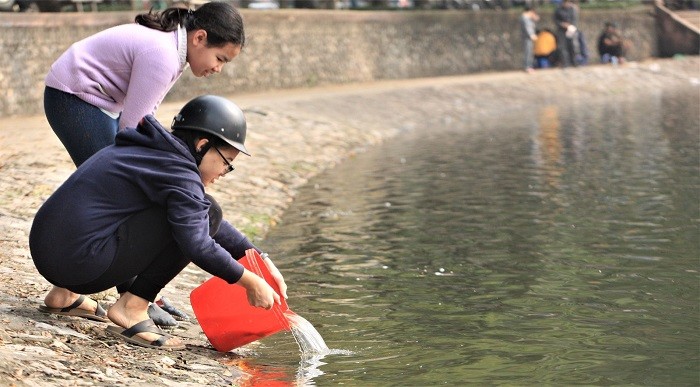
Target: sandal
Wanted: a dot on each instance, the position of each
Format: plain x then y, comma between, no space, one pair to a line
160,317
129,335
72,310
167,306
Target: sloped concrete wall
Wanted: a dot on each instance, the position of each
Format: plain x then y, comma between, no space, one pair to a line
675,35
300,48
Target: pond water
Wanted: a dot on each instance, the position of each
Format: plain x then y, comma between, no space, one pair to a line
553,246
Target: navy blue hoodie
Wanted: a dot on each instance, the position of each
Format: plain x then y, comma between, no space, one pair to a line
73,236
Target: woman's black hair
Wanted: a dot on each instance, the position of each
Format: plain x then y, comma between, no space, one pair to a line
222,22
191,137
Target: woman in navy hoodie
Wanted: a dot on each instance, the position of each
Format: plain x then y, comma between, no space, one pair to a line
136,212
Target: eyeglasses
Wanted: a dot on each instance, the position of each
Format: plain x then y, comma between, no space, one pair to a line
229,167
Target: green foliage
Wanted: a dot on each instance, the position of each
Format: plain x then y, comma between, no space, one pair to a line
257,227
613,4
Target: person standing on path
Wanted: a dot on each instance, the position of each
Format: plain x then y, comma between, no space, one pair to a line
111,80
528,22
566,20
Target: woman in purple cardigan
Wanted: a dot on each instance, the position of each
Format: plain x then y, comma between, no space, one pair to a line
111,80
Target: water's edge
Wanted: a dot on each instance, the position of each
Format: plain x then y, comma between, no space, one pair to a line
294,135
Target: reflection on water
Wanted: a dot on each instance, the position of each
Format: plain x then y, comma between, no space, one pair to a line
554,246
548,148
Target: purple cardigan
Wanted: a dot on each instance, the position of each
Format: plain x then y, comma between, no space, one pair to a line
127,68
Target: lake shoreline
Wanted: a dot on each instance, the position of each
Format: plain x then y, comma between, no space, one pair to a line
294,135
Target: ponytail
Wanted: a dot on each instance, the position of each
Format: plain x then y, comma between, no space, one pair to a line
165,21
222,22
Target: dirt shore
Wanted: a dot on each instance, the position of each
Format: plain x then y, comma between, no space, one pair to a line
293,135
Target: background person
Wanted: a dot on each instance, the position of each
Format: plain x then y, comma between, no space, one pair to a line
528,22
84,240
566,21
545,49
611,45
110,80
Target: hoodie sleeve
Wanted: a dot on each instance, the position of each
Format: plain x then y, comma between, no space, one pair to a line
177,187
188,215
158,169
233,240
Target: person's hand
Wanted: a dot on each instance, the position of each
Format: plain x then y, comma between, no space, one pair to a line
533,37
259,293
276,275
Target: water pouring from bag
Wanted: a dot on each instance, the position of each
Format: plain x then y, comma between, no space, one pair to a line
229,321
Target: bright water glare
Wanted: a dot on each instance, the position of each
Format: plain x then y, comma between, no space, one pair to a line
307,337
553,246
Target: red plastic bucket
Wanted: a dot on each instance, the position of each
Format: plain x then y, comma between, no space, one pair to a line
225,316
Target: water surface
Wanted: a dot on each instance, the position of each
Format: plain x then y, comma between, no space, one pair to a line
557,246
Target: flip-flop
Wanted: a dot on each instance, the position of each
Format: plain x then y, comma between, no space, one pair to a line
167,306
160,317
129,335
72,310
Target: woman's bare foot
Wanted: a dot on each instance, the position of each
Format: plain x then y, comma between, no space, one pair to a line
61,298
130,310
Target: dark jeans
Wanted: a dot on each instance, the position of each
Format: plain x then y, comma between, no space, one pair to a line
82,128
147,257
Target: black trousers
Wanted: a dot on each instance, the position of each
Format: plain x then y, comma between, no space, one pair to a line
147,257
566,49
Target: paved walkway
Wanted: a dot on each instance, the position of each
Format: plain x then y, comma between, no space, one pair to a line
691,16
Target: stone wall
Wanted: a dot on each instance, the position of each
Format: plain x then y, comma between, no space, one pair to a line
304,48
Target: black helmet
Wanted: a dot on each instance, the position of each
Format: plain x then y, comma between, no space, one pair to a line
214,115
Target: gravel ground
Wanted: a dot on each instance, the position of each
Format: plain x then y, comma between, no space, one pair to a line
293,135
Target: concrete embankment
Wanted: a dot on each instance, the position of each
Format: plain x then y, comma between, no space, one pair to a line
307,48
